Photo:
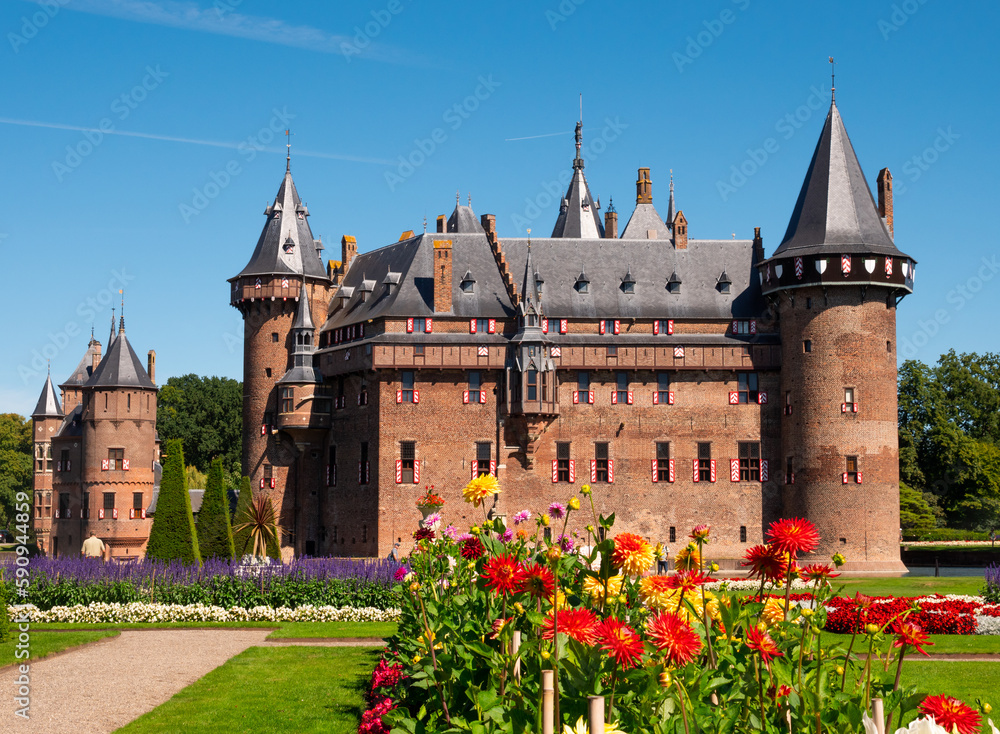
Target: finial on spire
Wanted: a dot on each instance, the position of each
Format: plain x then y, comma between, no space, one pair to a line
111,336
470,198
288,151
833,80
121,323
578,161
458,198
425,224
529,238
48,366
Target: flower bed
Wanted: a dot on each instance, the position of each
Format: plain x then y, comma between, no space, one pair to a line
99,613
936,615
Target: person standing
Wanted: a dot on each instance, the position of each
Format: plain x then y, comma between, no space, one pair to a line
661,559
394,553
93,547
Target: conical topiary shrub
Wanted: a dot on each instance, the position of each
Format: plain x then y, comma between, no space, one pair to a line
215,533
241,538
173,534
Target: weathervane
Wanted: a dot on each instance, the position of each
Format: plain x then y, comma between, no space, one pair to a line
833,80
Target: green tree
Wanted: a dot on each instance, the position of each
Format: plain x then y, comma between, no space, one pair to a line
241,538
195,478
207,413
15,463
215,533
173,534
915,513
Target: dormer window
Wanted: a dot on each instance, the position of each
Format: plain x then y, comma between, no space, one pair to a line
468,284
674,283
628,283
724,284
582,283
539,282
289,245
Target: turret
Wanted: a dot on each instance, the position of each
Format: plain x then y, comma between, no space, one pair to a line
578,215
835,281
532,376
46,419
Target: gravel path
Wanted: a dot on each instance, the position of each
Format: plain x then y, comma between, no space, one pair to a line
105,685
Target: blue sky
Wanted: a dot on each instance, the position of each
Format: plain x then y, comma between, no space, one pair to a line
144,138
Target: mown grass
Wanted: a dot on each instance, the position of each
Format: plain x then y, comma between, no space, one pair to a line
282,630
910,585
943,644
42,643
297,690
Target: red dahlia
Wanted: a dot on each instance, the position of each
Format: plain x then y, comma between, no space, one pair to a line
503,574
910,633
423,534
539,581
621,641
765,562
472,548
580,624
687,580
793,536
950,712
673,636
818,572
760,640
700,532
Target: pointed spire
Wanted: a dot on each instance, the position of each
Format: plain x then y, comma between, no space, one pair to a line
303,318
111,336
121,326
288,151
578,215
530,298
48,404
578,161
670,204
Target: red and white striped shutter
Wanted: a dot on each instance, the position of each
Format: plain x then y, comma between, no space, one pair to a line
100,514
854,407
764,474
263,430
629,397
416,396
465,397
656,327
614,397
593,470
888,267
671,476
734,398
328,475
572,471
679,352
143,512
124,464
694,477
713,470
273,482
736,326
262,484
656,397
656,475
131,514
55,513
428,326
491,326
69,465
416,471
361,329
734,470
762,398
482,396
600,326
843,478
114,514
409,326
753,326
611,470
399,396
493,467
545,326
618,326
399,471
590,397
859,478
104,464
555,470
670,326
472,326
670,397
845,264
563,326
576,397
843,407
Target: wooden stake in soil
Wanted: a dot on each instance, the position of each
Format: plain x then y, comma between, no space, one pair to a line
596,711
515,645
878,714
548,702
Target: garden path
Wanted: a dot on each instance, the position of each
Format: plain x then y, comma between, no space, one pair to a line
104,685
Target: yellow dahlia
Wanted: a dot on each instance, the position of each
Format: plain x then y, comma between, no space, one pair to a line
688,558
632,554
670,601
480,488
774,612
654,591
595,588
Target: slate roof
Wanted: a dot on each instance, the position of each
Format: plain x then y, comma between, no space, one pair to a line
286,243
578,215
120,367
48,404
83,370
463,220
644,218
835,212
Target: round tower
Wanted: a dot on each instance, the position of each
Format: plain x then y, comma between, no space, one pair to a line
286,265
835,281
46,420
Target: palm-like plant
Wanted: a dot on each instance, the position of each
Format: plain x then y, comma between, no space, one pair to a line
260,525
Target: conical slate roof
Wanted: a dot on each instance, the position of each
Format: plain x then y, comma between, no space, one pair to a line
48,403
578,214
286,243
83,370
463,220
120,367
835,212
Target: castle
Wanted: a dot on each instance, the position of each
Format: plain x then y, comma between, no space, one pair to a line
689,381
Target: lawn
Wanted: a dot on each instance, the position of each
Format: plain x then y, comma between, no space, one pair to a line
44,643
377,630
910,586
943,644
285,689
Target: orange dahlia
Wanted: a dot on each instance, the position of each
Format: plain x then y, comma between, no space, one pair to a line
759,640
621,641
912,634
687,558
632,554
503,574
654,591
674,637
579,624
818,572
793,536
951,713
539,581
687,580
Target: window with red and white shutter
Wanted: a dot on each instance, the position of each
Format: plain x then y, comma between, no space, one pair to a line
555,470
630,397
734,470
491,326
399,471
601,327
409,326
472,326
563,326
545,326
696,475
428,325
611,471
572,471
416,396
617,326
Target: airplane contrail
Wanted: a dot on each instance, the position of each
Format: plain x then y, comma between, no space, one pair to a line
191,141
532,137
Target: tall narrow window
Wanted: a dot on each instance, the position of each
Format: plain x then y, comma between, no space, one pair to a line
673,534
86,505
663,461
287,399
852,468
483,457
532,385
407,384
663,388
600,462
363,473
704,462
137,503
331,471
562,457
408,454
115,458
789,470
849,395
475,386
749,461
583,381
39,457
64,504
109,502
743,533
622,387
748,387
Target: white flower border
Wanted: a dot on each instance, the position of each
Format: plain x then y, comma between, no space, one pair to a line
100,613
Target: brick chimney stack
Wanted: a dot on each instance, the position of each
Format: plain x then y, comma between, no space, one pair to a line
151,365
96,359
442,276
348,249
643,188
610,224
758,245
442,223
885,198
680,231
489,222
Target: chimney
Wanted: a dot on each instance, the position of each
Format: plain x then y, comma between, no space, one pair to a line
643,188
442,276
489,222
96,360
611,224
442,223
151,365
680,231
758,245
348,249
885,198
